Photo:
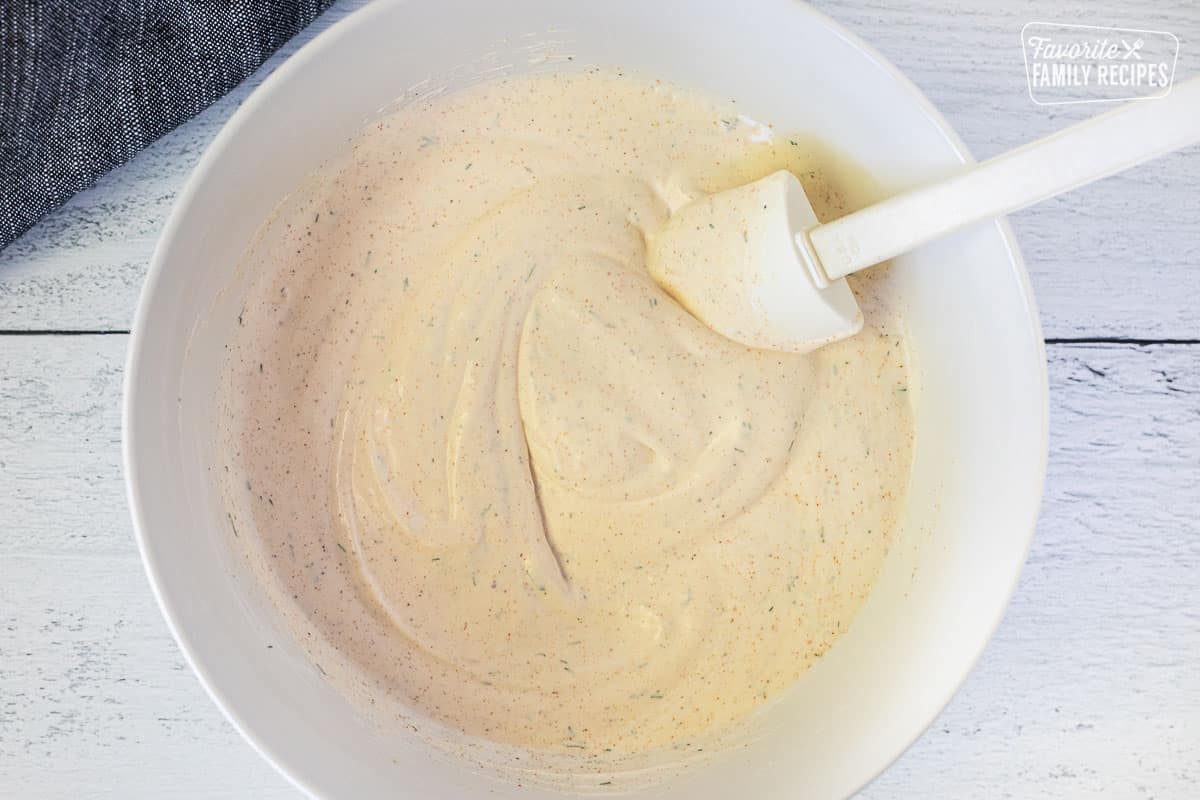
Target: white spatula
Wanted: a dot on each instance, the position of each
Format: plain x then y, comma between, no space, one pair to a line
755,264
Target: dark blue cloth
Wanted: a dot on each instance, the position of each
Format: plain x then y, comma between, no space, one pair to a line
86,84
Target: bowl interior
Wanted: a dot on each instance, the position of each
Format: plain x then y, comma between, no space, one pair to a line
980,407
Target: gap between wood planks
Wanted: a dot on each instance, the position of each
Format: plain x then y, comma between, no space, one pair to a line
1050,340
65,332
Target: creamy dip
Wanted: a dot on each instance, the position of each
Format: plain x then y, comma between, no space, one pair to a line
505,477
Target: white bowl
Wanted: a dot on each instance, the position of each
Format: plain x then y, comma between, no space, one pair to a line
981,410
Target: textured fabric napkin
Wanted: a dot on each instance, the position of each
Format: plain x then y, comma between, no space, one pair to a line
86,84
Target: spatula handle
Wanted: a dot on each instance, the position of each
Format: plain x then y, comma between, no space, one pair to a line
1135,132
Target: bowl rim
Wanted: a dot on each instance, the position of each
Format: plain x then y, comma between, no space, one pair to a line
181,208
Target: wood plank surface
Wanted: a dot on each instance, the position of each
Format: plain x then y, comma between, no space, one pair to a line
1091,687
1118,259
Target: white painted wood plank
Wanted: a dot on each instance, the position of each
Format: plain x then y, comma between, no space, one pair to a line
60,447
1121,258
1091,688
96,700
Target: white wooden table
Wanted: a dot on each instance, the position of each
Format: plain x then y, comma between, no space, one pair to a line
1091,688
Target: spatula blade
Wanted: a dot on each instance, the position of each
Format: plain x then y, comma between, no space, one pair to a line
733,261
